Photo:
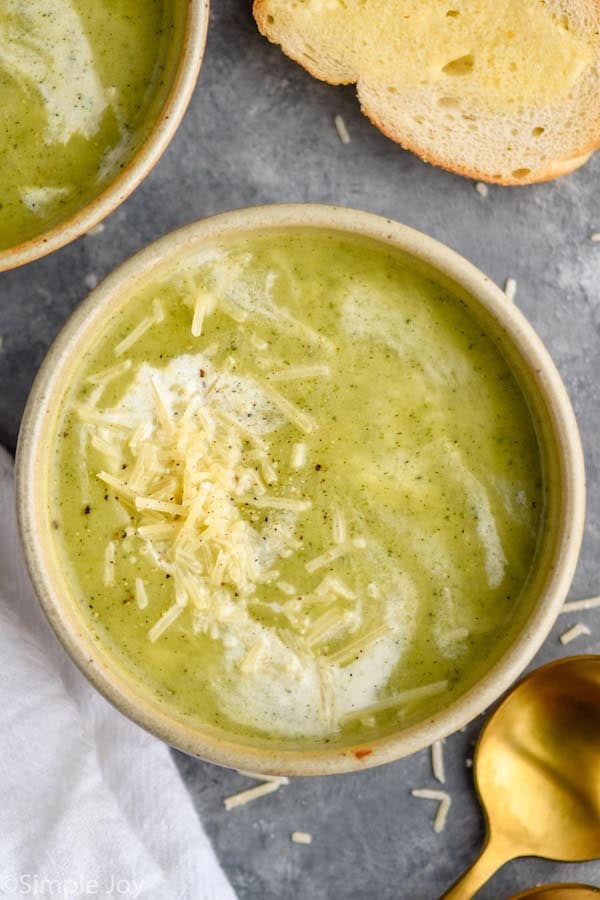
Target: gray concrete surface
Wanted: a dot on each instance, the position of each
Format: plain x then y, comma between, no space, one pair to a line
259,129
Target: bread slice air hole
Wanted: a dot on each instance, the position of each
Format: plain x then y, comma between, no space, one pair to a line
537,131
461,66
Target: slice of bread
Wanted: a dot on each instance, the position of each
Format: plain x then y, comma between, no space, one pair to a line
504,91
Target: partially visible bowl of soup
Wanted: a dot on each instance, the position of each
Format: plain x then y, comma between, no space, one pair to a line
92,93
300,490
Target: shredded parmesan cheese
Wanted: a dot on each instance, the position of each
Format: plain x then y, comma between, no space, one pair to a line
109,451
332,554
286,588
297,373
261,790
339,526
190,468
401,699
443,798
340,127
437,761
258,343
573,633
482,189
293,413
165,621
353,650
581,605
324,627
301,837
140,329
510,289
298,459
109,564
252,659
110,374
333,585
595,237
204,305
140,593
266,502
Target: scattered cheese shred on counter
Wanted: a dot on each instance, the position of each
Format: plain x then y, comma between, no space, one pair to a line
443,798
580,605
301,837
482,189
573,633
595,237
437,761
261,790
340,127
510,289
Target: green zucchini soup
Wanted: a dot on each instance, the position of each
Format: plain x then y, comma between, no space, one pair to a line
296,489
82,82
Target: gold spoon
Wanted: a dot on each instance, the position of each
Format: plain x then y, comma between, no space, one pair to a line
537,771
560,892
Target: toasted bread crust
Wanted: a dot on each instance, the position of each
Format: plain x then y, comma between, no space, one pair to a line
557,168
262,20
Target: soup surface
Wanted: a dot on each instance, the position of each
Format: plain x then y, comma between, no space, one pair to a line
80,81
297,488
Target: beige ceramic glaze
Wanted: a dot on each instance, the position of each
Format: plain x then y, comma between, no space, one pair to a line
143,161
560,449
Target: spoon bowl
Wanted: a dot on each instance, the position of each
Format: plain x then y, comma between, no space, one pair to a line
560,892
537,771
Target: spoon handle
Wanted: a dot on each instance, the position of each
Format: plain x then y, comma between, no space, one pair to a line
492,857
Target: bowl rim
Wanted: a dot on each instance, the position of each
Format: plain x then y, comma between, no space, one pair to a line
141,163
487,689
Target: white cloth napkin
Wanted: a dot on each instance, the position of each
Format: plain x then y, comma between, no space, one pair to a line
90,804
